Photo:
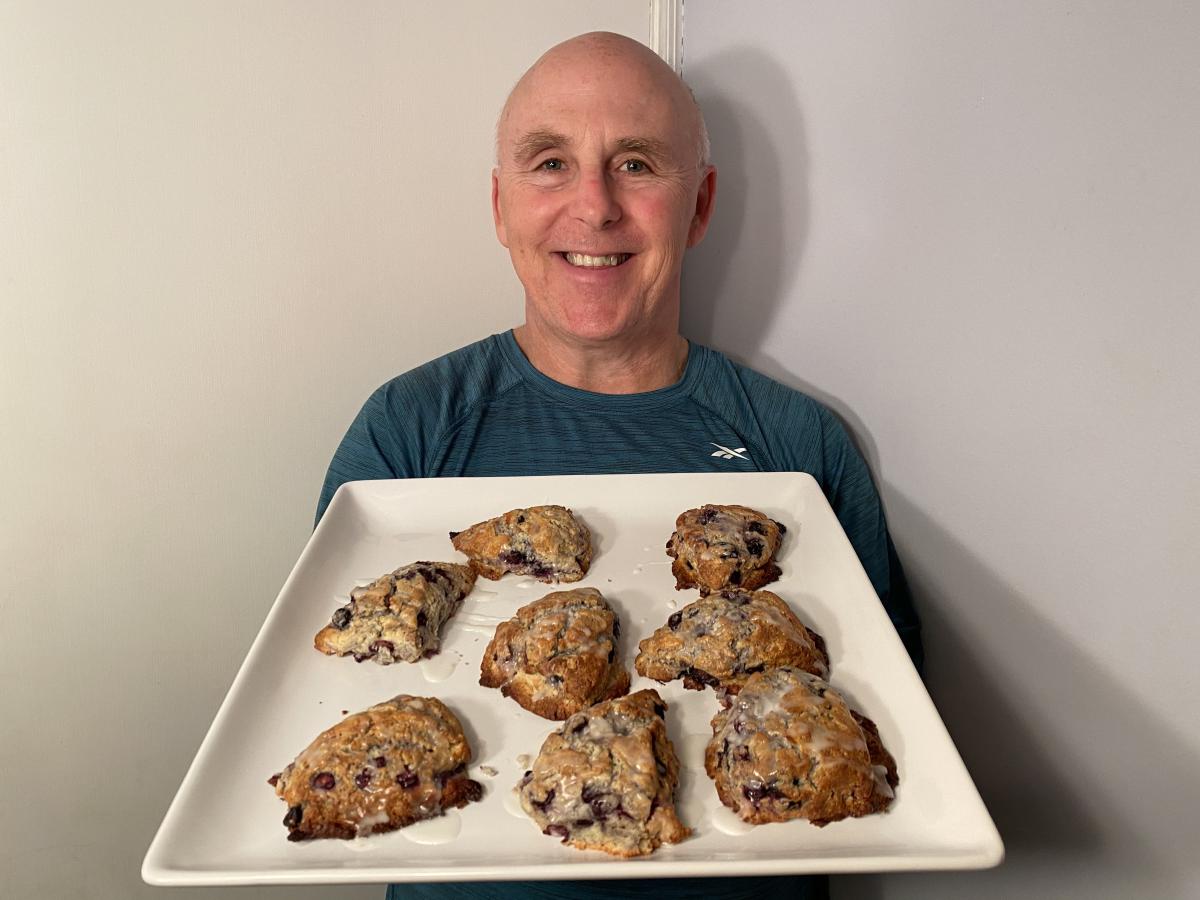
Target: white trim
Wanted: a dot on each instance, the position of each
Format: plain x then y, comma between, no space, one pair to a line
666,31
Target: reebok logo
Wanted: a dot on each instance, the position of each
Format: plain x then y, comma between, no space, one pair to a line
726,453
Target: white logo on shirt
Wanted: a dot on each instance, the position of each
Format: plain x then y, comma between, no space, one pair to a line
726,453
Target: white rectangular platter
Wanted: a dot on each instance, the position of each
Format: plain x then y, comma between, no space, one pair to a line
224,826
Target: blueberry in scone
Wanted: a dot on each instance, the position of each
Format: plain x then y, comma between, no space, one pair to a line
606,780
789,747
724,638
547,542
399,616
717,547
391,765
557,655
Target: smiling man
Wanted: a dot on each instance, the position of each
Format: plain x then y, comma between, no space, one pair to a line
601,185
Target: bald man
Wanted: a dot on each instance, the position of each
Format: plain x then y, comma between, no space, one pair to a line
602,183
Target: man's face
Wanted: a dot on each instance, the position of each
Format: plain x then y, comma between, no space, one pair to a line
597,195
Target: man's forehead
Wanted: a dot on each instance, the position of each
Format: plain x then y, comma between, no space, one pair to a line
599,90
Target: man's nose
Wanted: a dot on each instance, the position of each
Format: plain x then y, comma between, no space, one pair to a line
594,201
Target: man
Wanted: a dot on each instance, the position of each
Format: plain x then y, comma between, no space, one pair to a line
602,182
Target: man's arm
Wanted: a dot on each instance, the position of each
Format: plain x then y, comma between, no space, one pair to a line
856,503
375,446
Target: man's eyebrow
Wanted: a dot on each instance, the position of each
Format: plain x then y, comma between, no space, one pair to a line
531,144
651,147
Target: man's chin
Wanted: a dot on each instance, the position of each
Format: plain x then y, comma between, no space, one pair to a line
600,327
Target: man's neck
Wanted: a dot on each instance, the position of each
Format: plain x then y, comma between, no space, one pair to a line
628,368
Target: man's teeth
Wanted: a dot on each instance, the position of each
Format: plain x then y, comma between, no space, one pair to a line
595,262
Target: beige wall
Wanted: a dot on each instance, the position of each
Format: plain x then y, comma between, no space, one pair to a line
222,224
972,227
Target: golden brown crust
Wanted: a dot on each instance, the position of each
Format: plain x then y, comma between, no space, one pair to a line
557,655
789,747
393,764
398,616
547,542
607,779
723,639
724,546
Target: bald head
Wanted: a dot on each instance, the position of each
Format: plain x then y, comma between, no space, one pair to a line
592,60
600,188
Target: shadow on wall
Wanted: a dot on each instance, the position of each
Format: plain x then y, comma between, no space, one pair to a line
735,280
1087,786
1067,787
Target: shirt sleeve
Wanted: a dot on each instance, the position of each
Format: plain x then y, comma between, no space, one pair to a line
855,501
377,445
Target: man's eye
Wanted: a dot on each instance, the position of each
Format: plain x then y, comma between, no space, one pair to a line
551,165
634,166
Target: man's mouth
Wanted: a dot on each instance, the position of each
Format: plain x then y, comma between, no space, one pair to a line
585,261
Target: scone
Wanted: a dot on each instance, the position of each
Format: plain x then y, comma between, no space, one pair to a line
547,542
558,655
396,763
789,747
606,780
723,639
399,616
715,547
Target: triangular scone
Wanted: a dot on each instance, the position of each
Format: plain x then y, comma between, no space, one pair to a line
547,542
557,655
391,765
399,616
723,639
789,747
607,779
717,547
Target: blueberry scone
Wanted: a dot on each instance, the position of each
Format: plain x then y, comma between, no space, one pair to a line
606,780
715,547
724,638
399,616
396,763
557,655
789,747
547,542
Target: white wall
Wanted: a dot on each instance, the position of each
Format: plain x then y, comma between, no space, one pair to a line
972,228
222,224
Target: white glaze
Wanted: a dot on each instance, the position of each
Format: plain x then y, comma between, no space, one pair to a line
368,822
438,830
477,622
512,805
438,668
726,821
360,845
881,782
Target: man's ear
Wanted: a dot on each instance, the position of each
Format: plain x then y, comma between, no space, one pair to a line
706,196
497,218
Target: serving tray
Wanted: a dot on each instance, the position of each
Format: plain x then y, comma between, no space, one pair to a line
224,825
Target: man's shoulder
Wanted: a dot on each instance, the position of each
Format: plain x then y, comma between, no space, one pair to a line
461,376
728,380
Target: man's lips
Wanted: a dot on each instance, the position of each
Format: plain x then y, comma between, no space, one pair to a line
587,261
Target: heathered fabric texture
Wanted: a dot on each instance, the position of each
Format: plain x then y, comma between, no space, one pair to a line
485,410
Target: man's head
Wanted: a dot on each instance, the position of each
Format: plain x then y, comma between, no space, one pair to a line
601,183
